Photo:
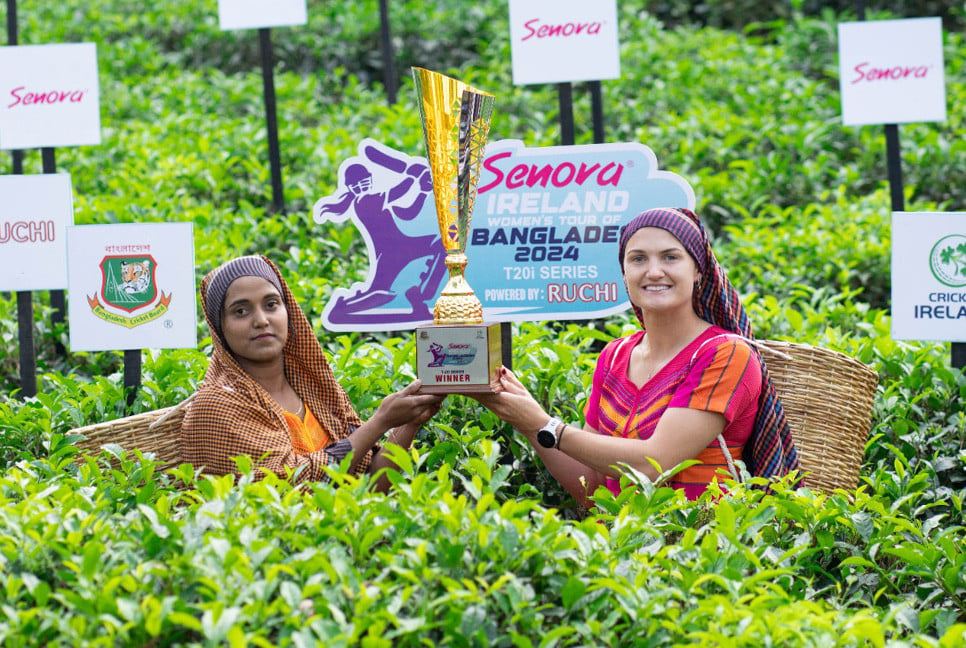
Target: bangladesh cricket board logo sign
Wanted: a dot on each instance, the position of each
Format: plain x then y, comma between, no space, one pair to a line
947,260
128,286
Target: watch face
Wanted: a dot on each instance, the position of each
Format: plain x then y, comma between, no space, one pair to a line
546,438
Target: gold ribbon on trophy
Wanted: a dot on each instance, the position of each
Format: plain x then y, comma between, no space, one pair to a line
458,352
456,122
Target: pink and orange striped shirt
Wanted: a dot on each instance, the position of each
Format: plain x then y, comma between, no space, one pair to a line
718,372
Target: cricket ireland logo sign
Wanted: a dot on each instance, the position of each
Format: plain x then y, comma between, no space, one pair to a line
947,260
929,276
128,285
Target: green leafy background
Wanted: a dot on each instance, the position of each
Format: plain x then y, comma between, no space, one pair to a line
476,545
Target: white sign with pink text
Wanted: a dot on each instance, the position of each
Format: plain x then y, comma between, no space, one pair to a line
35,211
891,71
255,14
49,96
558,41
929,276
131,286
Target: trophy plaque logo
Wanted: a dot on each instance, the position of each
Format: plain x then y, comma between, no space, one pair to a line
458,353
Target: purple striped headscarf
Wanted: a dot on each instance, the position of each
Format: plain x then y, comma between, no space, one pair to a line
770,451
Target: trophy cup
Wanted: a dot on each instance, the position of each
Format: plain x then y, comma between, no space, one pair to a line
458,352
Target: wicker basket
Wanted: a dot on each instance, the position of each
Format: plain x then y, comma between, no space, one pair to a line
827,398
154,431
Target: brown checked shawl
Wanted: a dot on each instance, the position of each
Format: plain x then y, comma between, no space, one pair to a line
232,415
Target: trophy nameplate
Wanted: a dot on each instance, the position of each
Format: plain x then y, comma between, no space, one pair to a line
458,352
462,358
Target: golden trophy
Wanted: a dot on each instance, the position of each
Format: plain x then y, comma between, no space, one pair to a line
458,352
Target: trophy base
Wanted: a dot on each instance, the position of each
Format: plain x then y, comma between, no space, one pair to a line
459,358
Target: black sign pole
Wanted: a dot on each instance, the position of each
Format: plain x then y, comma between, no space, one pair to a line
25,335
597,110
132,374
25,304
388,56
271,119
894,161
11,22
565,98
57,301
958,357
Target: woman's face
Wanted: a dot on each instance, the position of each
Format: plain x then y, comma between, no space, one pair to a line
254,321
659,272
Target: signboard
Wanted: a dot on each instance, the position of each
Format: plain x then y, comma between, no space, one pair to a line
557,41
929,276
543,241
255,14
35,211
891,71
131,286
49,96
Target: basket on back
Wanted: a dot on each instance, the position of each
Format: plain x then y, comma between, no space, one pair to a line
827,398
154,431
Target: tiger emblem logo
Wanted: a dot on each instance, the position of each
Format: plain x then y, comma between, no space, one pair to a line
135,276
128,284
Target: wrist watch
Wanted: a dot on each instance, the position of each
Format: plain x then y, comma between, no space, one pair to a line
547,435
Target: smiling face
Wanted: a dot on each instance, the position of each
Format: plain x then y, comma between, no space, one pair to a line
660,274
254,321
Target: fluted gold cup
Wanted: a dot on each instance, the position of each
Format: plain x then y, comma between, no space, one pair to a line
458,352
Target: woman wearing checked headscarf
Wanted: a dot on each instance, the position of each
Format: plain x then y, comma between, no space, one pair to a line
269,393
689,385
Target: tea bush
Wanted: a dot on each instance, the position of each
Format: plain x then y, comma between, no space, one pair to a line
477,544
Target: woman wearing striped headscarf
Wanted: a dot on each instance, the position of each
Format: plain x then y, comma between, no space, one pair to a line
689,385
269,393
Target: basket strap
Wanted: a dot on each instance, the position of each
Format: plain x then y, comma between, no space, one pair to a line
721,440
171,412
727,456
721,335
762,346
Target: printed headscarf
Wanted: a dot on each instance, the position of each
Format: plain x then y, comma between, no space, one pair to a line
232,415
770,451
223,276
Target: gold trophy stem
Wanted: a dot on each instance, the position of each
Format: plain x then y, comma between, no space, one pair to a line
457,304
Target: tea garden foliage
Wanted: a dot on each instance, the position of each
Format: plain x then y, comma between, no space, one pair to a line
476,545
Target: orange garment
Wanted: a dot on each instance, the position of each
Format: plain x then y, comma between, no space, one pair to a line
308,435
